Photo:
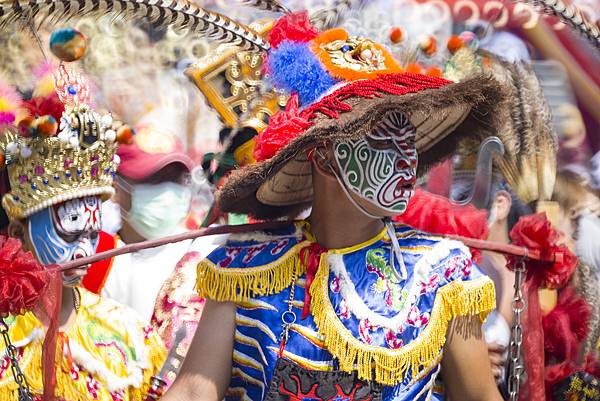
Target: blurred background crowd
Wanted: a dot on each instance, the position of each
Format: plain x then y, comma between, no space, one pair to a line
195,108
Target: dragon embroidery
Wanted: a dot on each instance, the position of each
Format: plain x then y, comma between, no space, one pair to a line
377,264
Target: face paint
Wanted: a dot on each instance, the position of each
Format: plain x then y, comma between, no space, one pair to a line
381,168
65,232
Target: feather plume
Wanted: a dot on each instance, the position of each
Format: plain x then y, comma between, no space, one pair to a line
267,5
9,104
179,14
570,15
333,16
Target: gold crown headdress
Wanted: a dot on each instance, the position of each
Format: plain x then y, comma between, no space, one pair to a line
49,162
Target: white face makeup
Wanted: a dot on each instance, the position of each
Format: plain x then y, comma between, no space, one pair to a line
65,232
382,167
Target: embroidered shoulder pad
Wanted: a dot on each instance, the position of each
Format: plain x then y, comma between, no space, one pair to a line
251,265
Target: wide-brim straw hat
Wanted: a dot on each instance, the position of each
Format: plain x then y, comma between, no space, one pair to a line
441,112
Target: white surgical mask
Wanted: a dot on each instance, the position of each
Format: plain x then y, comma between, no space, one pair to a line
111,217
157,210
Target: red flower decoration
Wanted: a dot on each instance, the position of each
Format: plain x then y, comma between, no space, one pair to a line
438,215
22,278
536,233
283,128
295,27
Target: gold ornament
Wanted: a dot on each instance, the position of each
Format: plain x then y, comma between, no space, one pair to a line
246,100
356,53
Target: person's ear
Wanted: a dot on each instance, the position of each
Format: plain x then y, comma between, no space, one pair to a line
16,229
502,205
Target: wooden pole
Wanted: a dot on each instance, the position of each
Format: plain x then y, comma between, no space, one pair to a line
243,228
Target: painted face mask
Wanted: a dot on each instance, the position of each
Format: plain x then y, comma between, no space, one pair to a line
65,232
382,167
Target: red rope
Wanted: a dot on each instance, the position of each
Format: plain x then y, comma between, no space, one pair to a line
393,84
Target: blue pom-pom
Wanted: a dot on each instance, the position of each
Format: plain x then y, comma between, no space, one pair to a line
295,68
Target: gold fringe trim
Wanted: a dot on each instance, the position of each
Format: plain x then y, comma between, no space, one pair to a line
242,284
476,297
76,390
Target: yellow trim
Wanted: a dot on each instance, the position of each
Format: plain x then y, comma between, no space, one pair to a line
460,298
242,284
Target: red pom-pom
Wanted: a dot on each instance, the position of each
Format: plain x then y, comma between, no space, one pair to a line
396,35
42,106
22,278
438,215
283,128
536,233
295,27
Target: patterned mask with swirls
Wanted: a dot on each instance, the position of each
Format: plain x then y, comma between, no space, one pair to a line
382,167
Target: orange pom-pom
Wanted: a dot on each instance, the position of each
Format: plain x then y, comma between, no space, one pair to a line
455,43
125,135
428,45
414,68
396,35
45,126
434,72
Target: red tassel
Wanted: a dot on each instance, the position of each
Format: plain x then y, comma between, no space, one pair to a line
310,255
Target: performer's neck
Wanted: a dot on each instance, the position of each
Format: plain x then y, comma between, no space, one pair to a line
334,220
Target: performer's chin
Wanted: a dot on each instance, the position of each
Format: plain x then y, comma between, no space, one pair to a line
73,277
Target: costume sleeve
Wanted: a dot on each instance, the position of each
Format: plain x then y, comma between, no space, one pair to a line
463,289
240,271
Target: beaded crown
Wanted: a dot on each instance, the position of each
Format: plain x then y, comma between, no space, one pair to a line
52,162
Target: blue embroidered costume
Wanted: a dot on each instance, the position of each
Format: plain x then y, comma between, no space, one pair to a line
361,319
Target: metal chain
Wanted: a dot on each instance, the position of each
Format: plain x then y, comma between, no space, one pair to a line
11,352
516,367
289,316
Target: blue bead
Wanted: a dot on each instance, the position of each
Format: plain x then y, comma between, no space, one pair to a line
45,181
113,174
56,178
106,170
33,186
68,174
79,171
72,90
346,48
16,198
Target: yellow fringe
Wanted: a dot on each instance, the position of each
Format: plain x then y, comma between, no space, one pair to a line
476,297
66,387
243,284
75,390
